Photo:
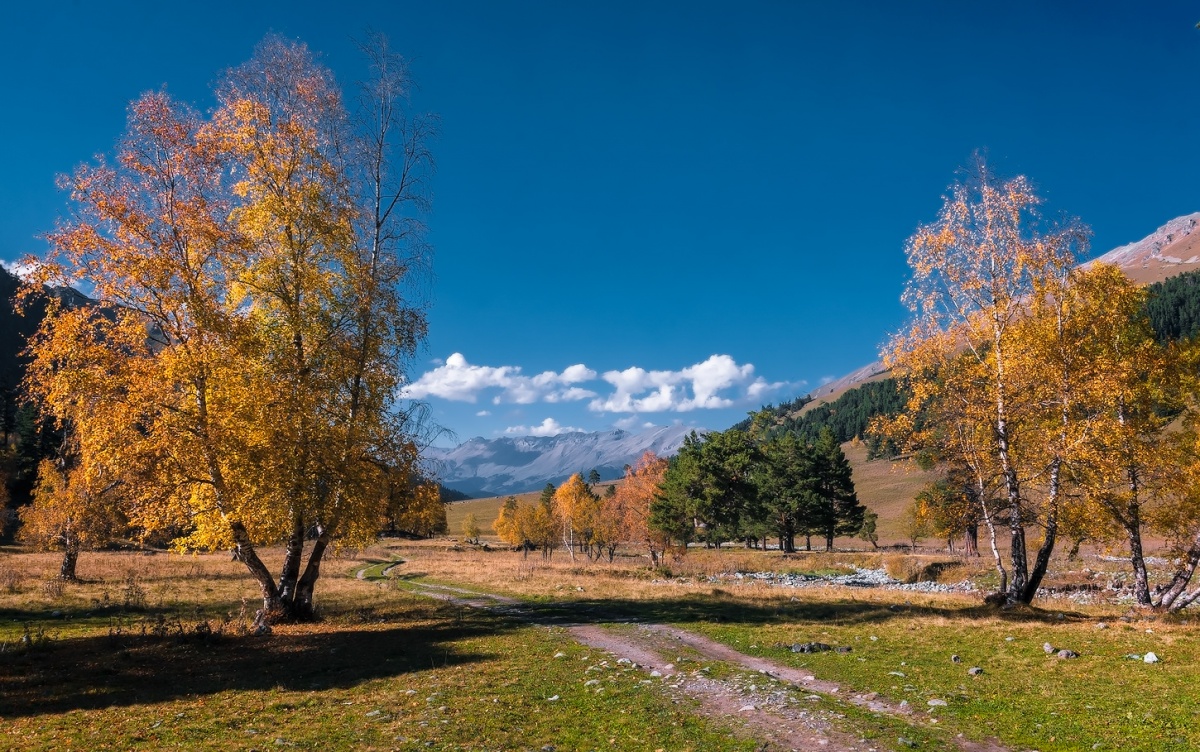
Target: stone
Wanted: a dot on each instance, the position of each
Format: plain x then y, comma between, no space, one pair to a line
746,708
975,671
843,649
560,655
1047,647
552,699
811,647
1101,625
955,659
935,703
1064,654
1151,658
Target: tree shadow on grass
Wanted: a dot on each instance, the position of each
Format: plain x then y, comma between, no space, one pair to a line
127,669
722,607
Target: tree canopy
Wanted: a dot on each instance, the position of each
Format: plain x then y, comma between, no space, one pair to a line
259,278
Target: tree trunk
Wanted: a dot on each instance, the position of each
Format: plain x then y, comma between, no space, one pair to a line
971,541
1042,562
243,551
293,553
829,540
66,571
303,607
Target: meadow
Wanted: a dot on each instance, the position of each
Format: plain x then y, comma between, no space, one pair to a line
157,651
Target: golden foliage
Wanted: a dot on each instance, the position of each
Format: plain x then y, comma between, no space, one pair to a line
252,331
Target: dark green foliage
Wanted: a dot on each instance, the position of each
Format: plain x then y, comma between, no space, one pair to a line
836,509
733,485
449,494
1173,307
849,416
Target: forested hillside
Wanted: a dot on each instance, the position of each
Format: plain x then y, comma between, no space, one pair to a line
1173,307
848,416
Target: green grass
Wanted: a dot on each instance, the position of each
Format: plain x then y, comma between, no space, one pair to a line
1025,697
383,670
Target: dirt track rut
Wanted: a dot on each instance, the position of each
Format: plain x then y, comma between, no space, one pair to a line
769,710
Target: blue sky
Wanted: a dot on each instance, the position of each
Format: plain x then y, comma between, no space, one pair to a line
665,212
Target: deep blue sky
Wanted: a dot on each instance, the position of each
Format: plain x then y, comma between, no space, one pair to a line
647,185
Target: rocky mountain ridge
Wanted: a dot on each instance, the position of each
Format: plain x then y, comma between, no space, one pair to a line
508,465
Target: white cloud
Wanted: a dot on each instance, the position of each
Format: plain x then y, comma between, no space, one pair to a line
19,268
549,427
461,381
718,382
483,413
697,387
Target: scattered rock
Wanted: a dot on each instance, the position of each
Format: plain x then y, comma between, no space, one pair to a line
811,647
1133,656
1151,658
655,674
263,629
1047,647
374,713
935,703
975,671
560,655
1101,625
552,699
1008,639
1064,654
896,673
746,708
906,742
955,659
591,682
843,649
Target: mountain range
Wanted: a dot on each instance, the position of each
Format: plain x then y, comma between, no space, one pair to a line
495,467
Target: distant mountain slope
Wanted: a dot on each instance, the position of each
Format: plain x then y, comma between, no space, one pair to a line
483,467
1172,249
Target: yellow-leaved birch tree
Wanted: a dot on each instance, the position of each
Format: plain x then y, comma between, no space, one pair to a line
975,272
259,276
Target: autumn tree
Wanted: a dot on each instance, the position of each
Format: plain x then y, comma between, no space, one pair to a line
630,504
470,528
256,271
976,271
418,509
575,508
75,507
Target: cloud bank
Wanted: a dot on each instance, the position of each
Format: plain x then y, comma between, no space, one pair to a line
715,383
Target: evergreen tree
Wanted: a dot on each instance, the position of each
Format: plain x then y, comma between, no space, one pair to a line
837,510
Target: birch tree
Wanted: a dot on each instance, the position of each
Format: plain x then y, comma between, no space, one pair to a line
260,276
975,272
